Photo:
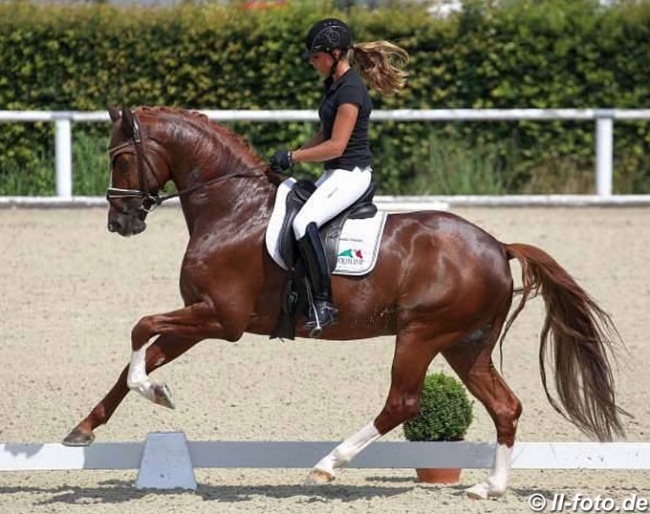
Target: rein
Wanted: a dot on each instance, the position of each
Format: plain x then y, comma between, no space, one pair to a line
149,200
160,199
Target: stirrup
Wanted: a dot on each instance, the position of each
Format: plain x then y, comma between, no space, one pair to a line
316,324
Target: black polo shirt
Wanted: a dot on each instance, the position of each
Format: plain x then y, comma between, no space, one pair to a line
349,89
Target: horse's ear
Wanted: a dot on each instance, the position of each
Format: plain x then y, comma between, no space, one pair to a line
113,113
127,122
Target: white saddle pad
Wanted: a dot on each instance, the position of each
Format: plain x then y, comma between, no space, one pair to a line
358,245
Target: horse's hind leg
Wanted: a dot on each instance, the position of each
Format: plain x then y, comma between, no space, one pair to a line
471,359
413,354
164,350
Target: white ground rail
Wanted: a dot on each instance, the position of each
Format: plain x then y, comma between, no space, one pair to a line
167,460
603,119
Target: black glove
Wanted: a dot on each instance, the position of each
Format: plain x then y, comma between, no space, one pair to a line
281,161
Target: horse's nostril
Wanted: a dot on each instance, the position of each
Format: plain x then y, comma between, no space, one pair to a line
113,226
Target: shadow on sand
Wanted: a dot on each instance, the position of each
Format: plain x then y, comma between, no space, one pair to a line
123,491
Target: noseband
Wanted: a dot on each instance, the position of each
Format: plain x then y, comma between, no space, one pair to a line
149,200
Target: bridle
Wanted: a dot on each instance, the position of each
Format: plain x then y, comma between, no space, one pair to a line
149,200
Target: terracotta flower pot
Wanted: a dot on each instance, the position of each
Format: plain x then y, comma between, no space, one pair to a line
438,475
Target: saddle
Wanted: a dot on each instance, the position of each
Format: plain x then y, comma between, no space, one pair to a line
295,294
331,231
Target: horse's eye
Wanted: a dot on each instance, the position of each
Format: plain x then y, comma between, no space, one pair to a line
122,164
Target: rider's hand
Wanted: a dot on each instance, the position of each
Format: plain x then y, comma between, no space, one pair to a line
281,161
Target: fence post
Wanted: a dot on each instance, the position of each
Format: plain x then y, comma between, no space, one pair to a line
604,152
63,145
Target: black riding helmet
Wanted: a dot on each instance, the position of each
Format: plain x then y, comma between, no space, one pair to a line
326,36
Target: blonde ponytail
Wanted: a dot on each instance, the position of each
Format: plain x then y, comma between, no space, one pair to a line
380,64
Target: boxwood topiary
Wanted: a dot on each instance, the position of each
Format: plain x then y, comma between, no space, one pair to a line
445,411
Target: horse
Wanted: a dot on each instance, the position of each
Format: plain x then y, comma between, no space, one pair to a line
441,285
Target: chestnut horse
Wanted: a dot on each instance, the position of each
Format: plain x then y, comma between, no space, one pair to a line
441,285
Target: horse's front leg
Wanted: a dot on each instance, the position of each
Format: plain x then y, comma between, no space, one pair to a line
197,321
164,350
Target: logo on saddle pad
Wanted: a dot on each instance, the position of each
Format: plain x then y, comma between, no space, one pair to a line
352,254
350,257
358,245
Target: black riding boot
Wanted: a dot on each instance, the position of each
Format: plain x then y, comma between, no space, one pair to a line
324,313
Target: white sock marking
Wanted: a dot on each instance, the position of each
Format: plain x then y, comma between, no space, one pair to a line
498,479
348,449
137,377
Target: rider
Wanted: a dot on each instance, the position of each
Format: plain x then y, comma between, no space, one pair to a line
342,142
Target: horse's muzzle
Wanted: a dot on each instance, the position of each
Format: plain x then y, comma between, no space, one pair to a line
126,225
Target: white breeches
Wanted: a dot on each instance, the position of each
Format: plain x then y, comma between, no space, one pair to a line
335,190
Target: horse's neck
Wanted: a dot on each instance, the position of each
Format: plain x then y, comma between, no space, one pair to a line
217,197
240,204
200,152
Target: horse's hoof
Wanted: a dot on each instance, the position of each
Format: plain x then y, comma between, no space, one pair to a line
483,491
162,396
476,493
319,477
79,437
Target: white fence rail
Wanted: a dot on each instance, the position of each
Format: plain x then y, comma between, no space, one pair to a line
603,119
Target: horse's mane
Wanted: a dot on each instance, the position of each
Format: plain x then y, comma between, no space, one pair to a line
203,119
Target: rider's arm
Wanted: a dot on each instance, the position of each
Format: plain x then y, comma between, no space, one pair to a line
346,118
316,140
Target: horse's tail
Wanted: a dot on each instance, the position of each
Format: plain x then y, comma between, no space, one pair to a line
576,339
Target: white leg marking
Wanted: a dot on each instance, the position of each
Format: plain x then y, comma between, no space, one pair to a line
348,450
497,480
137,378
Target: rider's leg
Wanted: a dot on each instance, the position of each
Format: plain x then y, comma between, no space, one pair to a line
337,189
323,313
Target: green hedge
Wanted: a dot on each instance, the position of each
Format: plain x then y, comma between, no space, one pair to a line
558,54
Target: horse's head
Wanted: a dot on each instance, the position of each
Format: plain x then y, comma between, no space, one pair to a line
137,174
